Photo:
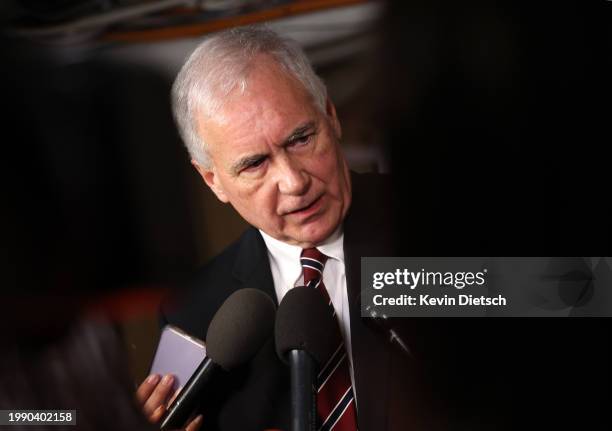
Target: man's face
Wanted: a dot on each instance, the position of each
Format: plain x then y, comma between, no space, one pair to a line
276,158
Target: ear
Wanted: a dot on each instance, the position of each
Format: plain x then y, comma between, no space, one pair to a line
212,180
330,110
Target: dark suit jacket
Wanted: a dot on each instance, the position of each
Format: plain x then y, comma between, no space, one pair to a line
256,396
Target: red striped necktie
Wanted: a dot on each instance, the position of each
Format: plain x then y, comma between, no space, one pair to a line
335,398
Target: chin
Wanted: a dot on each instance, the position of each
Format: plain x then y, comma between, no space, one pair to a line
317,235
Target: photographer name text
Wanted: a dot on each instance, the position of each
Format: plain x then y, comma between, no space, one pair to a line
437,284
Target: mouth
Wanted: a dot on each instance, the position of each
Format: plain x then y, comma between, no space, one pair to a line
305,210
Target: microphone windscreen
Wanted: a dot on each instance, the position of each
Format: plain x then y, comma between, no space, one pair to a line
240,328
304,322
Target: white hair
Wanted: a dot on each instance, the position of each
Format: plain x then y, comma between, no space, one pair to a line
219,65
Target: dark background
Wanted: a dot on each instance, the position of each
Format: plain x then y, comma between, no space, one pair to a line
499,134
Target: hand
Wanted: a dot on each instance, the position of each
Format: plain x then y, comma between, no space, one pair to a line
153,397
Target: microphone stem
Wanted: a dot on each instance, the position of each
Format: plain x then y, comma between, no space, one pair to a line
394,338
303,391
186,401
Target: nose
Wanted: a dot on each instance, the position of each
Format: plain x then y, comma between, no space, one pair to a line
292,178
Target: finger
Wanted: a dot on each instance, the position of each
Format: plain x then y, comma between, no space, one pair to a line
159,395
171,400
157,414
146,388
195,424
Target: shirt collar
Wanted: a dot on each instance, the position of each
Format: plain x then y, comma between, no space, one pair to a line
333,246
288,256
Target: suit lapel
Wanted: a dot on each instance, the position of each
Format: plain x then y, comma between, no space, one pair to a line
370,360
264,399
366,233
252,267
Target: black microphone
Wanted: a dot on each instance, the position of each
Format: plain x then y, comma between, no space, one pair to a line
238,330
306,336
382,323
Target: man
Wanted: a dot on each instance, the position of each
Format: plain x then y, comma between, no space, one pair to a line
265,138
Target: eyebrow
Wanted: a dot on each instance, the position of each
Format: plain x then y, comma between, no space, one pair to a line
245,162
248,160
299,132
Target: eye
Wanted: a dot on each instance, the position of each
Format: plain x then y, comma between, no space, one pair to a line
254,164
301,140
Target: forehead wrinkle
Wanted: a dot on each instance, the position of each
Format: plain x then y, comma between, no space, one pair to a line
256,118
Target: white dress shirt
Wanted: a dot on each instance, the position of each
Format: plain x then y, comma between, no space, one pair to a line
287,274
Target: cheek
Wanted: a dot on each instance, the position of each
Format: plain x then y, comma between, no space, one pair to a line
243,190
329,166
258,198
